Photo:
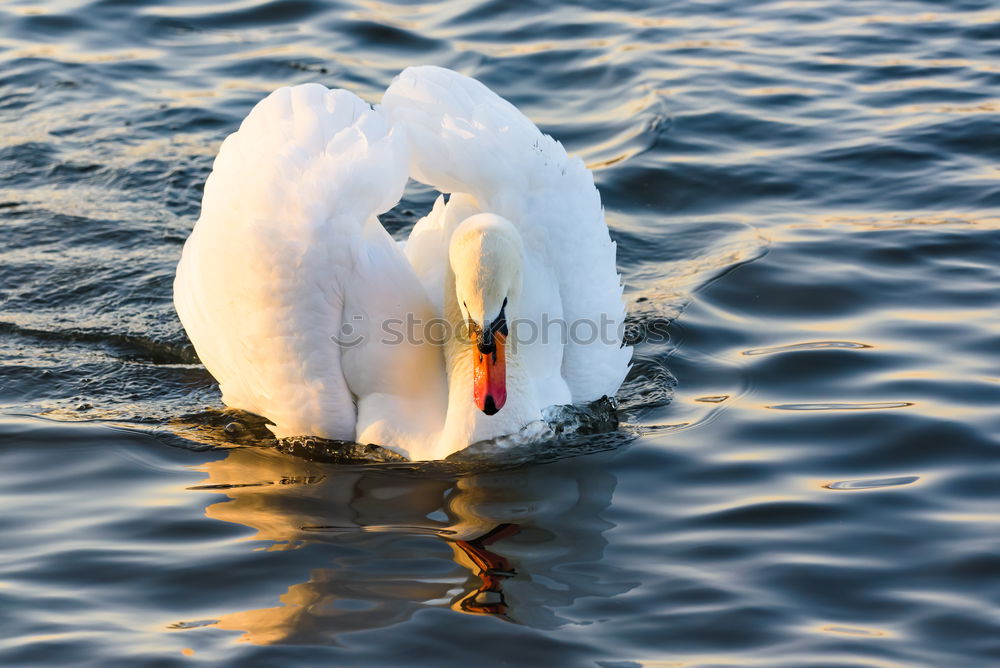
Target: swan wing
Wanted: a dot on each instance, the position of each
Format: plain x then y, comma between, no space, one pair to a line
466,140
288,272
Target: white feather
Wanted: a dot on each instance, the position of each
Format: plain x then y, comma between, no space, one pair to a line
466,139
288,261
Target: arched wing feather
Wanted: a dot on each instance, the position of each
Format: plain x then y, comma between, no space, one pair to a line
280,247
465,139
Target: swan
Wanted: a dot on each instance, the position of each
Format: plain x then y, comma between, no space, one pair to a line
503,301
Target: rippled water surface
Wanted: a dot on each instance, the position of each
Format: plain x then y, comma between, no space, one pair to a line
806,198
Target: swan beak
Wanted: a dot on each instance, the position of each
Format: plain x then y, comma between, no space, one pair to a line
489,376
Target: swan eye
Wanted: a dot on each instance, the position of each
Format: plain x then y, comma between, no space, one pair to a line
486,338
500,324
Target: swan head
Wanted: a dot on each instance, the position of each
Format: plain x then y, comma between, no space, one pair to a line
486,254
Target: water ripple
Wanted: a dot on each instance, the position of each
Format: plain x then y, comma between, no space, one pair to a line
874,483
810,345
871,406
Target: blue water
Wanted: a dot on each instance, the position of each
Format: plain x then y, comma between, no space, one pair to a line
806,198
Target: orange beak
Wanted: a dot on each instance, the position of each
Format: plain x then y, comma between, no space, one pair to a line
489,375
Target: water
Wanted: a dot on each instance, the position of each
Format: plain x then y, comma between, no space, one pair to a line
806,200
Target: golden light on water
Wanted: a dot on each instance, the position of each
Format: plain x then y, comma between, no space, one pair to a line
474,522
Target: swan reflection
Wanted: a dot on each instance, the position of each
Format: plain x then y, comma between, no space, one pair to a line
520,545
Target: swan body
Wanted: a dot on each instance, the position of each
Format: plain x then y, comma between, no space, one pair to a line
307,312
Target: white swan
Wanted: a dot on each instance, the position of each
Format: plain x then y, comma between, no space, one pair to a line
308,313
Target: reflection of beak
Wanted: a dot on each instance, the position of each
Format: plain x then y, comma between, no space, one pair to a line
489,375
492,569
